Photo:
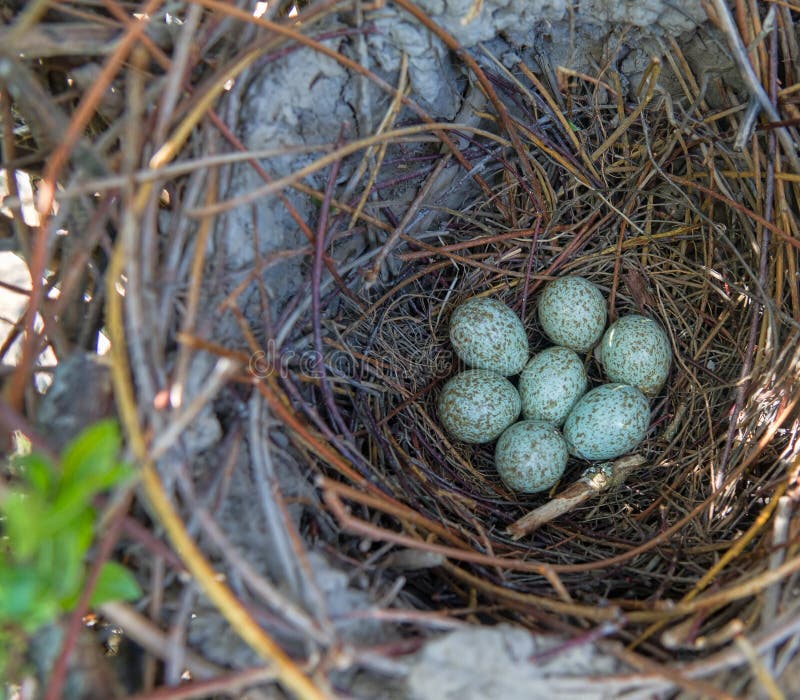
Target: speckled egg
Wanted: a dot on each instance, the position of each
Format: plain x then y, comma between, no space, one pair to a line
607,422
636,351
486,334
530,456
478,405
551,383
572,312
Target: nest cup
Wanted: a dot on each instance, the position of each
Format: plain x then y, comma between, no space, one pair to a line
639,220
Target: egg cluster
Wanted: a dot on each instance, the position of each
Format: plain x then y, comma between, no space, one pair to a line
561,416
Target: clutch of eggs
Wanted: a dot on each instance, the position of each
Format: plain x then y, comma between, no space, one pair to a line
481,405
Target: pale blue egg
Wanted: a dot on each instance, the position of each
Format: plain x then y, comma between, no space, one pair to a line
636,351
476,406
551,383
572,313
607,422
487,334
531,456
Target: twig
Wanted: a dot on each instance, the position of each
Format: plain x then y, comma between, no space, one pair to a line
780,532
678,679
420,15
754,86
388,120
175,661
288,673
233,684
193,296
373,273
747,124
759,670
731,553
764,253
438,128
223,370
221,596
153,640
594,481
278,523
320,244
534,247
261,586
185,44
651,76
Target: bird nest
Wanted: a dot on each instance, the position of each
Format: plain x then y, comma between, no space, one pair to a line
658,210
669,202
639,214
687,544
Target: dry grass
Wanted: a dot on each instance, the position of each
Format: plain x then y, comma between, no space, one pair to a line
692,563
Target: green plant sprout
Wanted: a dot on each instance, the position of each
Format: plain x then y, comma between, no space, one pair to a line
47,525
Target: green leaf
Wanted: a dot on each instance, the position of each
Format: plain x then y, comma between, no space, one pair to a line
89,465
38,471
24,600
66,568
47,528
93,452
18,592
24,513
115,582
75,495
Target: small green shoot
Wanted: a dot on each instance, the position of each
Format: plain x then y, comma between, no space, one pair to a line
47,524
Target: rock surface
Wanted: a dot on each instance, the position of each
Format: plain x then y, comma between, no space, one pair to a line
505,662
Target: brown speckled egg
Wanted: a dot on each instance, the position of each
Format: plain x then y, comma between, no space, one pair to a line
607,422
530,456
478,405
551,383
486,334
572,312
636,351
